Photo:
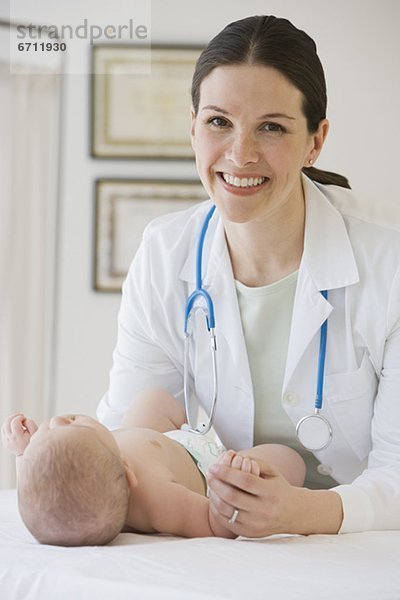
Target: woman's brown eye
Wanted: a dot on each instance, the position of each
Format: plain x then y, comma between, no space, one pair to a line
218,122
274,128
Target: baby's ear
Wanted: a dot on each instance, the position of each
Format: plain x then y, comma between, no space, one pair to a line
130,474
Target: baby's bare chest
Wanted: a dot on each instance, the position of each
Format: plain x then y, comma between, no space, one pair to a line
153,455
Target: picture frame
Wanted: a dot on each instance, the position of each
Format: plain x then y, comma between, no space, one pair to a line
140,101
123,208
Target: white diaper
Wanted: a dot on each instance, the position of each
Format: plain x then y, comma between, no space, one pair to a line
205,449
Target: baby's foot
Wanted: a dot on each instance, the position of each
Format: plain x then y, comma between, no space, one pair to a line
243,463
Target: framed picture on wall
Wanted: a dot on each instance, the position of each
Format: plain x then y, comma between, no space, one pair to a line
123,208
140,101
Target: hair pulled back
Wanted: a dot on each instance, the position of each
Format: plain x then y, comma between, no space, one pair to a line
272,42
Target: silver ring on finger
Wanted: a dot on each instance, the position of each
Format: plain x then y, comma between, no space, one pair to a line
233,517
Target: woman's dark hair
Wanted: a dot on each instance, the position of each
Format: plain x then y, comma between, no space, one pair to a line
272,42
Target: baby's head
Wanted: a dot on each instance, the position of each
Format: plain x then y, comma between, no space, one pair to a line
72,484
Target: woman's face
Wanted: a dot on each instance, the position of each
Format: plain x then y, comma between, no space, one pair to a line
251,141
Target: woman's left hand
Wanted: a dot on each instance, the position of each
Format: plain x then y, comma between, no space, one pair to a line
266,502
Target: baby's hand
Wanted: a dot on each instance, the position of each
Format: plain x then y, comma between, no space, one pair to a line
16,433
237,461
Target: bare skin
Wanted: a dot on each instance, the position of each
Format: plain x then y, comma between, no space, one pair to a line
167,491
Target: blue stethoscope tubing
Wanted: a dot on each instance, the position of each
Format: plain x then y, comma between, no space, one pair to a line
200,294
200,291
314,431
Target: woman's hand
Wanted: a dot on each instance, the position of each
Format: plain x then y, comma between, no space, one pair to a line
16,433
267,503
246,464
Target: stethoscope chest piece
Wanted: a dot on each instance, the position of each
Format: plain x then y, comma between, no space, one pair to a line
314,432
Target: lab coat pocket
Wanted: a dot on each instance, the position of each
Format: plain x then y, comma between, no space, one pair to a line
350,397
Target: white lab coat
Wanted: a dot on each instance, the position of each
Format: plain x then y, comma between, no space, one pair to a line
358,261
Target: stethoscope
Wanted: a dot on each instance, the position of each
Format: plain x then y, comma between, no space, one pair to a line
313,431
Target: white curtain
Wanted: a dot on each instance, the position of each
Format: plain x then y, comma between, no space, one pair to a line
28,216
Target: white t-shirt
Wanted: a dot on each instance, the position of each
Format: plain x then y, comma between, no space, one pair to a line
266,314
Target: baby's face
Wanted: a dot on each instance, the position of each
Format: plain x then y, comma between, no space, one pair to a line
57,426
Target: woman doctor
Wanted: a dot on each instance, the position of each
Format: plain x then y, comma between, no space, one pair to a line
287,250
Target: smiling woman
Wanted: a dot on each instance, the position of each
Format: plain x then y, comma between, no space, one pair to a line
289,255
246,43
251,141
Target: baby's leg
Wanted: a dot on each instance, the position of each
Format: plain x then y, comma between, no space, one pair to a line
285,459
155,409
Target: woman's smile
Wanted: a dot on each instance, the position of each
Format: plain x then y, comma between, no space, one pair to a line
242,185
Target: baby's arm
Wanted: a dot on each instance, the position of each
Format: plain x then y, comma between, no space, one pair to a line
173,508
16,433
155,409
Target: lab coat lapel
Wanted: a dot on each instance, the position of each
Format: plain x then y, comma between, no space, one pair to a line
310,310
327,263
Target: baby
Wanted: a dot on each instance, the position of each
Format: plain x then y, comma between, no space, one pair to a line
80,484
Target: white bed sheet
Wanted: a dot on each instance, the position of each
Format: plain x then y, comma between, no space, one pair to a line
348,567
